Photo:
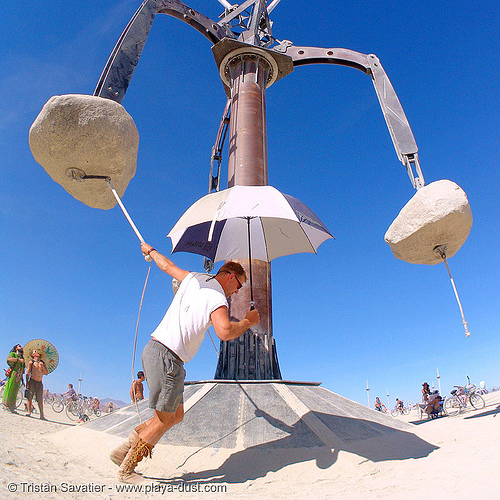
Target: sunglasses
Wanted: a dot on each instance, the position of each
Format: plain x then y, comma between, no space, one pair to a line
239,282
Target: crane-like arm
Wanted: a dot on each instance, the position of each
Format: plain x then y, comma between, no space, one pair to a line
118,71
397,123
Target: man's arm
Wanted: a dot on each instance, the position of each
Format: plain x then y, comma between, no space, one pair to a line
132,390
166,265
229,330
30,366
44,367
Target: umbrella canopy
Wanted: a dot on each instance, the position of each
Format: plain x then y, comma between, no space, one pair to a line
257,222
47,351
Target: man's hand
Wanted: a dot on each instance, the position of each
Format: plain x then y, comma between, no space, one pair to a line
166,265
253,316
146,248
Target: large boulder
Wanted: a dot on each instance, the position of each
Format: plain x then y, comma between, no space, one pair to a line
438,214
89,135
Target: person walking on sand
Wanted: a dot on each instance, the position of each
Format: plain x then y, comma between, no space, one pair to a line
200,302
14,374
34,374
137,389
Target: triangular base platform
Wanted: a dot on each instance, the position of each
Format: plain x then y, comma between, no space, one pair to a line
273,415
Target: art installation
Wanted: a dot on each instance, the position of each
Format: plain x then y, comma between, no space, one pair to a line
83,140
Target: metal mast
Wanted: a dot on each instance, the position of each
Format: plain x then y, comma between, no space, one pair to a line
250,59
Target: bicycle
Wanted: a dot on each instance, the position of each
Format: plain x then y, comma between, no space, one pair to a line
96,411
75,408
398,410
19,397
78,409
59,404
49,399
463,398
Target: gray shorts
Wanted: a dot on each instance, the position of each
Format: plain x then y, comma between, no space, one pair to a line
165,376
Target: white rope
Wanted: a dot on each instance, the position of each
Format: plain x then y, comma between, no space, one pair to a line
441,250
458,298
213,343
135,338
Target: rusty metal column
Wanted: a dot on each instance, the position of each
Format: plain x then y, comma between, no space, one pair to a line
253,355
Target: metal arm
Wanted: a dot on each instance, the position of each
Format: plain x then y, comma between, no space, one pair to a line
214,178
397,123
118,71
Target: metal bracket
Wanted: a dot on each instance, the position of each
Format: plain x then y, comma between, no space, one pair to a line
280,64
410,161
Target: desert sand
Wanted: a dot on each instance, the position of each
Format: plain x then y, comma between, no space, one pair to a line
58,459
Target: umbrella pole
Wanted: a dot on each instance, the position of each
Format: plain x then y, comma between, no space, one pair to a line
252,303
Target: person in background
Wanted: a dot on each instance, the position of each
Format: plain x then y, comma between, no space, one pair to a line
425,392
14,374
34,374
379,406
137,389
70,393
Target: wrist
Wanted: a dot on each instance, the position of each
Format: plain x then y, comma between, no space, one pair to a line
149,251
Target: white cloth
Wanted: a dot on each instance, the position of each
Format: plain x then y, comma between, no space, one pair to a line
183,327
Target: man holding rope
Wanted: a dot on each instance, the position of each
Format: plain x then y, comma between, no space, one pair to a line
200,302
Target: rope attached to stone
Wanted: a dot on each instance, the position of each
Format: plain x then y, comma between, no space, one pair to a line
442,251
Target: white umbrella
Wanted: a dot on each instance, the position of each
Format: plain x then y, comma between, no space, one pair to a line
254,222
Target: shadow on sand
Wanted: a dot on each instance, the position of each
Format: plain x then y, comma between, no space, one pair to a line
493,412
373,441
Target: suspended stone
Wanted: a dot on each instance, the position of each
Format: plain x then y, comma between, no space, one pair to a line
438,214
81,135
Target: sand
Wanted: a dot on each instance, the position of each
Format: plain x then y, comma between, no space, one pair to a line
58,459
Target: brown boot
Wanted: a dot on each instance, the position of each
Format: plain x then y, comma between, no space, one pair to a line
137,452
118,453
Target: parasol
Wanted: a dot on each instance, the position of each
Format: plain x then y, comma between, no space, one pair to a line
47,351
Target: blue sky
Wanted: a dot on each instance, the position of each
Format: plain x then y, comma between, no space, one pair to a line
74,275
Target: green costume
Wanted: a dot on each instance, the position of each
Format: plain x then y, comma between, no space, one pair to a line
12,385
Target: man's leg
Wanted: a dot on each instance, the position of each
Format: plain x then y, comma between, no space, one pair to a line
165,377
145,441
159,424
29,404
39,398
118,453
